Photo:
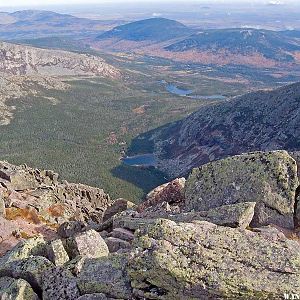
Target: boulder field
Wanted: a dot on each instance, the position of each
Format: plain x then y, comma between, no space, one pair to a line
228,231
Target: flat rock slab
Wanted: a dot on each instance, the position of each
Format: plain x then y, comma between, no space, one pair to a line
58,284
89,243
267,178
235,215
106,275
206,261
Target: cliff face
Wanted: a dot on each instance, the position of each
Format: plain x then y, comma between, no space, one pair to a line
264,120
26,70
24,60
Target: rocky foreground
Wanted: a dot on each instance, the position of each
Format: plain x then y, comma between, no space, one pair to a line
227,232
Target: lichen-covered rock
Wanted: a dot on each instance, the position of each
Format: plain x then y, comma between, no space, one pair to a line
70,228
29,269
171,192
2,206
297,207
24,249
235,215
16,289
58,284
205,261
36,201
109,224
123,234
18,178
89,243
115,244
163,208
131,223
296,156
97,296
57,253
117,206
269,179
106,275
75,265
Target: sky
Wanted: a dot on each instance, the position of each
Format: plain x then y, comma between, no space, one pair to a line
29,3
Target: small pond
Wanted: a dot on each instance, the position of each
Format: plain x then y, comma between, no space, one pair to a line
143,160
173,89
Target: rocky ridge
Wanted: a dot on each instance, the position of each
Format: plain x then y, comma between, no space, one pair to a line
28,70
25,60
183,242
259,121
36,201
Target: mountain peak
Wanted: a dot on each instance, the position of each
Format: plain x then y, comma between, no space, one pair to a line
155,29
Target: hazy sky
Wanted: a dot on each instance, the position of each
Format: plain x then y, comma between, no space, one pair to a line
61,2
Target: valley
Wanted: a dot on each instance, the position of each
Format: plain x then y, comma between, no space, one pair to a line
75,103
92,120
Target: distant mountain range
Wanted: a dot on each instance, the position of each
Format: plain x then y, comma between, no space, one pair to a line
269,44
173,40
159,37
263,120
36,24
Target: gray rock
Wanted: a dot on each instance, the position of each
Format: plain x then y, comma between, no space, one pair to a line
89,243
206,261
2,206
18,289
297,207
24,249
98,296
269,179
58,284
106,275
131,223
57,253
115,244
122,234
70,228
171,192
75,265
296,156
29,269
118,206
235,215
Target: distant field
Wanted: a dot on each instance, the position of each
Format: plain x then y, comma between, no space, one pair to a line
80,136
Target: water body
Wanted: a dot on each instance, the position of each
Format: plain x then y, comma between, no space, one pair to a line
143,160
173,89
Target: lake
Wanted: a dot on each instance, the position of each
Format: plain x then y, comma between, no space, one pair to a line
143,160
173,89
